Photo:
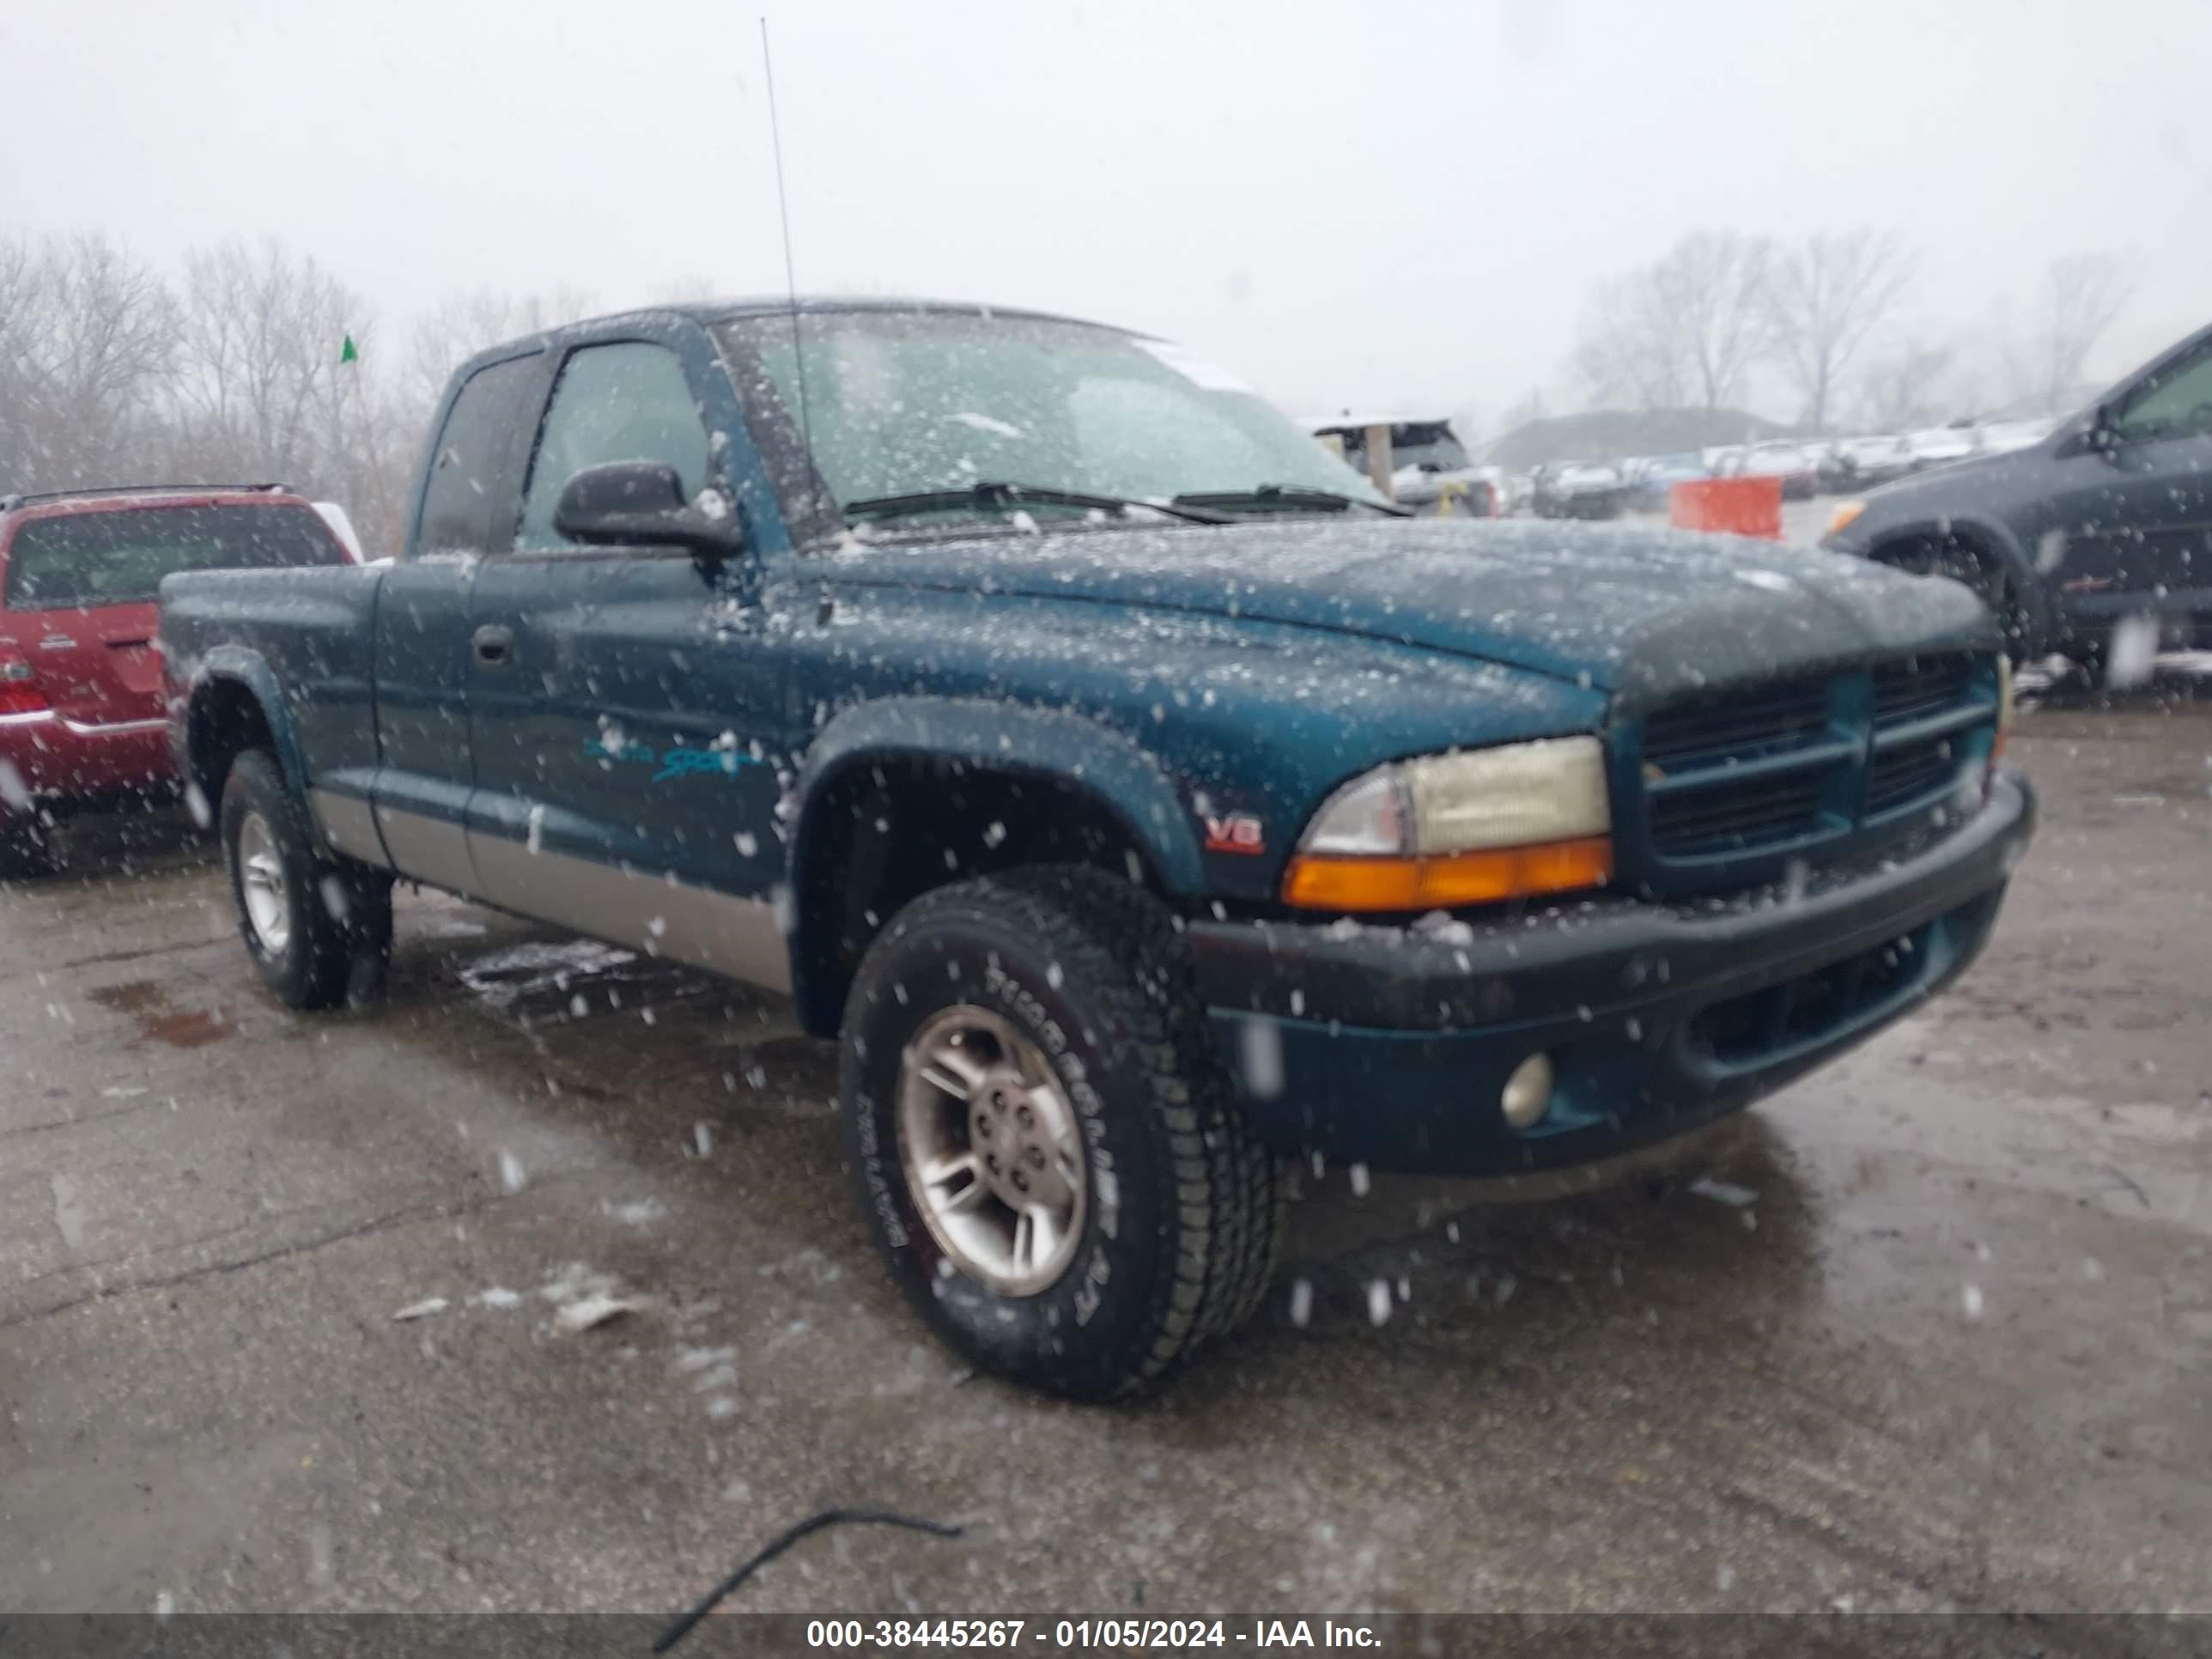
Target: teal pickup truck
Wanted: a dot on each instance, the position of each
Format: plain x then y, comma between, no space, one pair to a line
1139,799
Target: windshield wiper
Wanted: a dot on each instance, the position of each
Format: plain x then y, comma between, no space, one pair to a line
991,495
1286,498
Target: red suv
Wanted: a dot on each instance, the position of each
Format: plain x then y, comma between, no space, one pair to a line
81,720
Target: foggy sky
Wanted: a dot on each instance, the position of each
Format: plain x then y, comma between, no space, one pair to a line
1364,202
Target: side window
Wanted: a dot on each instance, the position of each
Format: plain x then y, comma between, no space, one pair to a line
473,446
2180,405
627,402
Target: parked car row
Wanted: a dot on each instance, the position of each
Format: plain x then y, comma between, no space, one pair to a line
1806,468
1579,490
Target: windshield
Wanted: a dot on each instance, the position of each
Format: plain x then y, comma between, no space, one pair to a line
912,403
119,558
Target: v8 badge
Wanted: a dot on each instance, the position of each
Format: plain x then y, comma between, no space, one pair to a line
1234,832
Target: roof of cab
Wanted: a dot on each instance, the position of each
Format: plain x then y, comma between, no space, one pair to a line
707,311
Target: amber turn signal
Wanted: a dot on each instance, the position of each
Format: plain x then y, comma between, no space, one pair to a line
1325,882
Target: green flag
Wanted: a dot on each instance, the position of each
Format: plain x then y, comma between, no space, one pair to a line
347,354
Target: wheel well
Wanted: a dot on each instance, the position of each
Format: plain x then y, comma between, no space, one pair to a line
226,720
885,832
1916,551
2012,595
1921,551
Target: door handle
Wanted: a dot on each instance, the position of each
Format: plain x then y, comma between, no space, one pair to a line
493,646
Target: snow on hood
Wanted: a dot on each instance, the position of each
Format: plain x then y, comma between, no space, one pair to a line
1644,612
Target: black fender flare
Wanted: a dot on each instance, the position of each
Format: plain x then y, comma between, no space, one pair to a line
1126,781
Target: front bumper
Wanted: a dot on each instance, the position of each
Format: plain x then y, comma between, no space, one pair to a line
65,764
1390,1046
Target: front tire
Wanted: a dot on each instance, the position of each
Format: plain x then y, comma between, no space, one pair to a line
319,930
1043,1140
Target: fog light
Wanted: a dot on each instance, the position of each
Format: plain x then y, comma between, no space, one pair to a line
1528,1094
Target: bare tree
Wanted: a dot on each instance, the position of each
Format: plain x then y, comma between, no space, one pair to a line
1824,296
1627,352
262,388
2081,297
22,321
88,334
1903,386
1684,329
1713,284
461,324
107,375
265,390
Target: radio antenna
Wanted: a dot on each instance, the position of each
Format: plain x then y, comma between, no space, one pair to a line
790,273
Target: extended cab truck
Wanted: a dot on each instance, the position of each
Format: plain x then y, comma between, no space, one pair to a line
1138,798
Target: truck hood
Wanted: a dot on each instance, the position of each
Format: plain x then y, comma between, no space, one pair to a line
1646,613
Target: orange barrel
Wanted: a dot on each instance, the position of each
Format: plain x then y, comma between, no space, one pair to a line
1741,507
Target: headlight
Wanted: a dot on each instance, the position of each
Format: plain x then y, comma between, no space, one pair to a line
1522,819
1841,519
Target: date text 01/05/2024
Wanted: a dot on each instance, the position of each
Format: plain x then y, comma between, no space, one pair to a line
1104,1634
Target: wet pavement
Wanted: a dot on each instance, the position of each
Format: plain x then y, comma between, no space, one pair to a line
1946,1346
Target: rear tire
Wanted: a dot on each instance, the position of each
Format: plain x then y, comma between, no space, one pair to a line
319,930
1064,991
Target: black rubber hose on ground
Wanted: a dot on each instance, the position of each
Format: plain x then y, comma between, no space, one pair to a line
682,1628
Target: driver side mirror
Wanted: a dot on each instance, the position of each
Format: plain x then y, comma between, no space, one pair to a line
641,503
2095,436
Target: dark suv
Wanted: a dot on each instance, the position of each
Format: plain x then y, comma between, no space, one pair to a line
2108,517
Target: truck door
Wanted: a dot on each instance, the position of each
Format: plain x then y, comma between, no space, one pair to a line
423,651
613,712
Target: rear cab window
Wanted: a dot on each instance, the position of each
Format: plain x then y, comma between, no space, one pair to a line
83,559
469,468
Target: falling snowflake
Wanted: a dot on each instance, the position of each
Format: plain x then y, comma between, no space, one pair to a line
1378,1302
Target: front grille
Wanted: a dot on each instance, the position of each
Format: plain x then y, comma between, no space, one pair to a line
1731,816
1906,774
1778,717
1918,687
1798,767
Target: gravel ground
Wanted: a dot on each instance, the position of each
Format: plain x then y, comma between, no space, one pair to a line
1952,1354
